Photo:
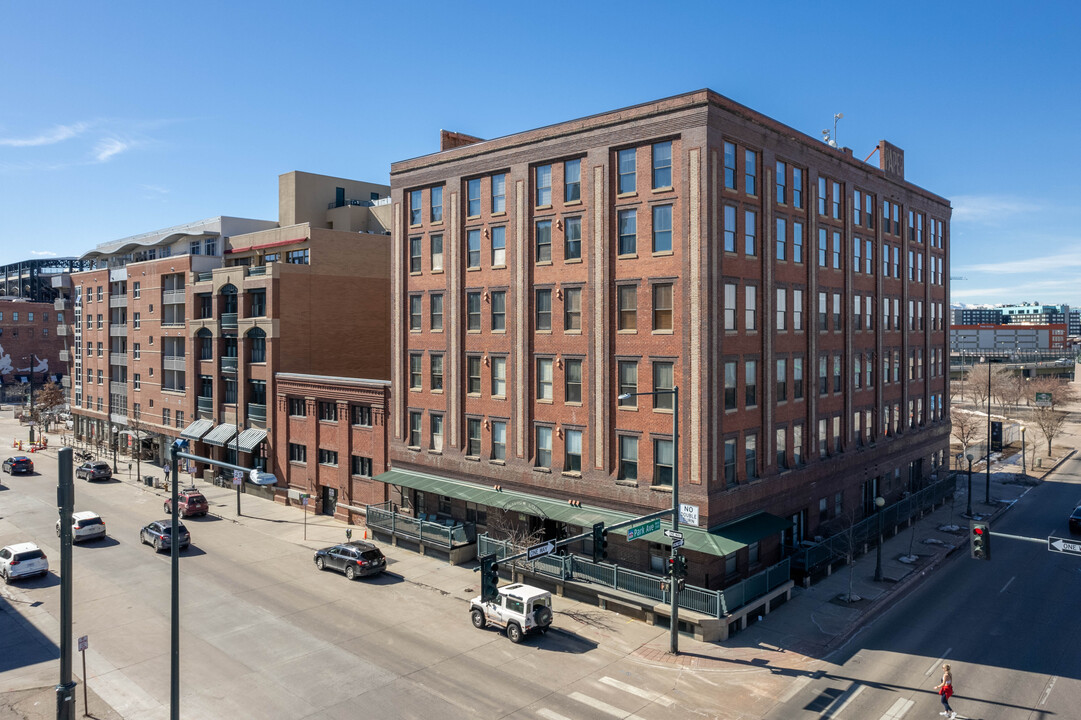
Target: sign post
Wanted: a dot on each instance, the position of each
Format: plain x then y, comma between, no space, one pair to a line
84,643
304,501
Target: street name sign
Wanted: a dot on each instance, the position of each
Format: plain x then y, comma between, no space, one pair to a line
636,531
673,534
546,548
1064,545
677,542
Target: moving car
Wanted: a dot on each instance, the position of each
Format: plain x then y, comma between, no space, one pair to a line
18,464
94,471
520,609
352,558
189,502
22,560
1075,520
85,525
160,533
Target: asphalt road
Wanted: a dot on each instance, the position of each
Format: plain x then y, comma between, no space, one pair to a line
1009,628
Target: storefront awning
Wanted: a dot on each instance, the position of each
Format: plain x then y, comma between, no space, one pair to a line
250,439
197,429
220,435
137,434
722,540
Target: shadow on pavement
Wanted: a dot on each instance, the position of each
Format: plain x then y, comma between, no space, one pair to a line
20,642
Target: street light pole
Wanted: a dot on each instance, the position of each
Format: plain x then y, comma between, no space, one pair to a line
969,513
116,439
987,465
879,502
1024,470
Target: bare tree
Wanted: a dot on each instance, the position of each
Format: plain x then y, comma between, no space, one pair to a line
1011,393
504,525
967,426
46,401
977,383
135,422
1050,418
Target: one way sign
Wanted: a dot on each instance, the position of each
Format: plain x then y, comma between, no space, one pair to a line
1063,545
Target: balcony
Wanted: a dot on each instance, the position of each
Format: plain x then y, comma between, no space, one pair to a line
257,413
118,358
229,321
118,331
118,301
257,270
228,364
173,297
173,362
205,405
118,388
204,276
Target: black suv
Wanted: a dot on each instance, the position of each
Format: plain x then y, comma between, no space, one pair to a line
159,534
94,471
352,558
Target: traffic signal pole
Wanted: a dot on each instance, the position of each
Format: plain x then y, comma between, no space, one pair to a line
65,501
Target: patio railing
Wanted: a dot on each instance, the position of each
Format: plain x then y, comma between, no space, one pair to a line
382,517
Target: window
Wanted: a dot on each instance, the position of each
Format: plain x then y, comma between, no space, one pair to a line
628,307
297,407
361,466
857,247
415,204
857,370
472,203
328,411
782,380
499,311
572,239
544,378
257,345
750,172
414,254
499,440
869,256
328,457
823,374
544,241
662,307
544,185
662,228
628,458
627,171
499,193
472,372
298,453
258,303
572,460
472,248
750,309
782,308
797,242
472,437
750,233
572,181
499,376
730,385
628,383
414,429
797,309
750,456
628,232
472,310
730,462
437,253
782,238
135,292
663,462
837,433
544,447
297,257
361,415
414,313
414,371
662,165
836,197
137,383
750,379
663,385
729,229
195,248
544,311
782,178
822,250
572,309
101,350
822,193
436,312
837,311
499,246
837,373
136,321
823,439
797,444
836,250
730,165
823,313
729,306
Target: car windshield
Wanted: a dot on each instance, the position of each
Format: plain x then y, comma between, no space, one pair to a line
28,555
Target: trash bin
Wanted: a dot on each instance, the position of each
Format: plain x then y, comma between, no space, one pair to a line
148,480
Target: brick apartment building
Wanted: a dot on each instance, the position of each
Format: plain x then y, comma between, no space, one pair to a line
30,349
794,294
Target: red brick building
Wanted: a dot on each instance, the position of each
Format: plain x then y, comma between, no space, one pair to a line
30,349
794,294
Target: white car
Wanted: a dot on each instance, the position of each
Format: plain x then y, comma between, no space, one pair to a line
85,525
22,560
520,609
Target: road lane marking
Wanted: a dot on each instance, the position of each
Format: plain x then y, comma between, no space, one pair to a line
938,663
851,694
551,714
599,705
898,709
1007,584
658,698
791,692
1047,692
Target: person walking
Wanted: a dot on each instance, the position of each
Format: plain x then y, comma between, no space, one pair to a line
945,691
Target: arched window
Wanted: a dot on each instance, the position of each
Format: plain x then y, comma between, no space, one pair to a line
257,341
206,344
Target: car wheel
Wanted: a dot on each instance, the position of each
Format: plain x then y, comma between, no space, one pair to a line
514,633
157,546
166,508
320,563
479,621
543,616
142,540
350,572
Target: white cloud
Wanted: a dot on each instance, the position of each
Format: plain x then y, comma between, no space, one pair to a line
1021,266
45,253
989,209
107,148
59,133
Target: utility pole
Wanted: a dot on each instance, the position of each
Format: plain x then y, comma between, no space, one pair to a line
65,500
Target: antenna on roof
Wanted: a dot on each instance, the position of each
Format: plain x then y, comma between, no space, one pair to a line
832,140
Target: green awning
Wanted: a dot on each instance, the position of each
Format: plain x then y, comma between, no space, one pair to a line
722,540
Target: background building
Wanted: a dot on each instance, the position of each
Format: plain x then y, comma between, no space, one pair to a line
30,349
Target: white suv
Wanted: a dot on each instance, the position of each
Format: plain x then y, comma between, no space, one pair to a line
84,526
519,609
22,560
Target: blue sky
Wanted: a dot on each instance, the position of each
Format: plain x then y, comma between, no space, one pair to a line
119,118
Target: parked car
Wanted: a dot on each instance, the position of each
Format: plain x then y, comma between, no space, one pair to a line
22,560
520,609
189,502
18,464
1075,520
85,525
352,558
160,533
94,471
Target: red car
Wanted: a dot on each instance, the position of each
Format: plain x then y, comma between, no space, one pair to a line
190,501
18,464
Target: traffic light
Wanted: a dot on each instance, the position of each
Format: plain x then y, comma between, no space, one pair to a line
979,535
673,567
489,578
681,565
600,542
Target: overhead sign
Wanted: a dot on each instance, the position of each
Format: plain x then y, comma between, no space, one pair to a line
673,534
1063,545
637,531
546,548
1043,399
688,514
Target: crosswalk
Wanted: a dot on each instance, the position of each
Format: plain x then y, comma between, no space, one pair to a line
604,697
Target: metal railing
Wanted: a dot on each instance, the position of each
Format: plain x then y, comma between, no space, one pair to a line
173,297
383,517
118,330
205,404
118,358
256,412
118,301
257,270
715,603
204,276
228,364
229,320
173,362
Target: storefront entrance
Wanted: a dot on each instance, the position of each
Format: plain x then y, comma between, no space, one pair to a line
330,500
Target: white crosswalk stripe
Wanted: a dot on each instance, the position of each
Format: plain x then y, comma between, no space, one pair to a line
551,714
898,709
602,706
644,694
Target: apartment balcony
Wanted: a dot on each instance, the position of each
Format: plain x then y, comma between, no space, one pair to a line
256,413
118,359
118,330
118,301
118,388
228,364
229,321
174,362
173,297
205,405
206,276
257,270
